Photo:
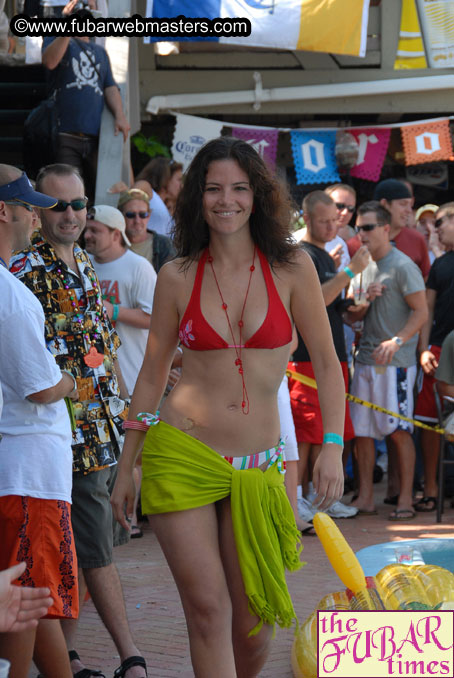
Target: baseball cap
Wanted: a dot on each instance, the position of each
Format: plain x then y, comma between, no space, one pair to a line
426,208
110,217
22,189
391,189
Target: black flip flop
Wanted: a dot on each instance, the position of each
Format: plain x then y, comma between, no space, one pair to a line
426,505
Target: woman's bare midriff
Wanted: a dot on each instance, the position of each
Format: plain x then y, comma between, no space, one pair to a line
206,402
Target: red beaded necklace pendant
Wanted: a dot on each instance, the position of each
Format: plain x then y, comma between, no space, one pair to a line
238,347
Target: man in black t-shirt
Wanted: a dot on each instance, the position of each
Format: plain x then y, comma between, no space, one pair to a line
440,300
320,216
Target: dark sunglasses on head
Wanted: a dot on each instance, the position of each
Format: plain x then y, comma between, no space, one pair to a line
28,207
142,215
75,205
342,206
366,227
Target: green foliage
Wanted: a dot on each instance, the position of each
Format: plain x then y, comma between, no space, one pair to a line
150,146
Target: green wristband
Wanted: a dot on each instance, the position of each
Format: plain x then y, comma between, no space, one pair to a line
334,438
349,272
116,310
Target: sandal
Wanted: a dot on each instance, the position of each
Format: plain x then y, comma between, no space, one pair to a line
136,532
128,664
402,515
426,505
309,531
83,673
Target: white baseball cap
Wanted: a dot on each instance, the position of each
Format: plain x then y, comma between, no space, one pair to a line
110,217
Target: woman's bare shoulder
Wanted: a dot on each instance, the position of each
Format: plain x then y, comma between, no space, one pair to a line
300,264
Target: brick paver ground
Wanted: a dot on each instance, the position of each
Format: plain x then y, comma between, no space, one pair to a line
155,612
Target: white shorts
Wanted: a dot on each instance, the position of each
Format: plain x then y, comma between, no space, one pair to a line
287,425
392,390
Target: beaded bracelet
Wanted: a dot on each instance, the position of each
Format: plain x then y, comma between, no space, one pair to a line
144,421
115,312
333,438
349,272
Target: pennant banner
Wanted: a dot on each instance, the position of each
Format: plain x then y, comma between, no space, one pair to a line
314,157
373,145
410,50
427,143
336,26
437,24
263,141
191,133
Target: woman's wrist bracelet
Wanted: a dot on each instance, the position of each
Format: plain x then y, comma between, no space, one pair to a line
115,312
349,272
143,421
333,438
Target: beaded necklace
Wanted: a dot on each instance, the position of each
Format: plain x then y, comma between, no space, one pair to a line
238,347
92,358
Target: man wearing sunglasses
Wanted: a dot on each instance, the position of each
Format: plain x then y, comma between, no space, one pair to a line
385,368
83,341
440,300
35,447
320,217
157,248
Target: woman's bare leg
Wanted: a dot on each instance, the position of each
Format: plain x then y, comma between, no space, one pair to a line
250,653
190,542
50,654
18,649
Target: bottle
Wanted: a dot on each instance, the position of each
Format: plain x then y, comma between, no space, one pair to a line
401,589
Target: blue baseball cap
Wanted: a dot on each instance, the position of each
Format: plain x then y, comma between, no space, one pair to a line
22,189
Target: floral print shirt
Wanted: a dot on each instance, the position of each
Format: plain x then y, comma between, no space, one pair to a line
75,322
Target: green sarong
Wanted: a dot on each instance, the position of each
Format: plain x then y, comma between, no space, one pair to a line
179,473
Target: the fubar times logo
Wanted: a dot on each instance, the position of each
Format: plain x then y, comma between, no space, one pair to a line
385,644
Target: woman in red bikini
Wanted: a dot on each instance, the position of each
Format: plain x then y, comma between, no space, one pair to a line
213,459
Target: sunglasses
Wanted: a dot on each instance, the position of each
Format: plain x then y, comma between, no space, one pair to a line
142,215
76,205
438,222
342,206
28,207
366,227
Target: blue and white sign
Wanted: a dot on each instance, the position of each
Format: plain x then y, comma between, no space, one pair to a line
314,157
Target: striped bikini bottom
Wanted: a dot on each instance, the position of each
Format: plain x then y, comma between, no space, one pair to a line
275,455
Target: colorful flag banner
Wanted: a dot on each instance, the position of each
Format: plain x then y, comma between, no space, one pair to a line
190,134
427,142
373,144
337,26
410,50
437,24
263,140
314,157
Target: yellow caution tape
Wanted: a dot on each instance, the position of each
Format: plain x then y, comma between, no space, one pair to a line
308,381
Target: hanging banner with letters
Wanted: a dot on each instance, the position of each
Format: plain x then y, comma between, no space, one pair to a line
314,156
426,142
264,141
373,144
191,133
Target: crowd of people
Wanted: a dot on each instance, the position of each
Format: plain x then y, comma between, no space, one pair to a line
139,371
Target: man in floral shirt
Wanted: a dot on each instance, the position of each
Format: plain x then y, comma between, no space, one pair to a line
80,336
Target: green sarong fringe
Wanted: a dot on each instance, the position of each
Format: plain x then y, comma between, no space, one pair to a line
180,472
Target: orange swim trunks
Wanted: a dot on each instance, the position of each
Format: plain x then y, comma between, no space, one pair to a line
38,531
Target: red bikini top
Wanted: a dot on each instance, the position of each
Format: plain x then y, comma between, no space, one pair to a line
197,334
